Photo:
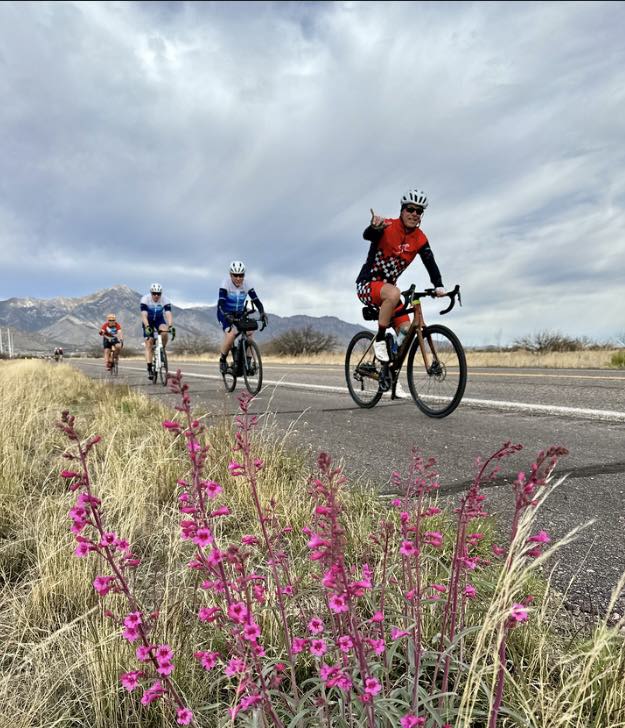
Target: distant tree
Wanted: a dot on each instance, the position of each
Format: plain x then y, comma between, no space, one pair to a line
301,342
544,342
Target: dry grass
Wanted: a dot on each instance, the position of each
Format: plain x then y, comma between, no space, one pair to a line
61,659
598,359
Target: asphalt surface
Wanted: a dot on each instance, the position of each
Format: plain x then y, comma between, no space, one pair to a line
583,410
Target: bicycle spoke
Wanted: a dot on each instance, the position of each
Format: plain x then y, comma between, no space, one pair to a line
362,370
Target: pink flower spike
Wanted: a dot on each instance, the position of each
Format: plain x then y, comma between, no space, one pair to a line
163,653
377,618
131,634
470,591
67,474
208,614
184,716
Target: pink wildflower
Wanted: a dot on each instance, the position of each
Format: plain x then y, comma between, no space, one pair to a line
251,631
208,660
208,614
316,625
163,652
165,667
102,584
345,643
298,645
540,537
249,540
372,686
203,537
213,489
83,549
171,425
184,716
143,653
497,550
377,618
377,645
133,619
238,612
470,591
338,603
396,633
130,680
222,511
408,548
518,613
439,588
234,667
411,721
434,538
318,647
236,469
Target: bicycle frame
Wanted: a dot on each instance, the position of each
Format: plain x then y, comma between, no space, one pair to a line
412,305
156,353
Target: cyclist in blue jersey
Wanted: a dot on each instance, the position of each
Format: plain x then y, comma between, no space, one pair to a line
156,316
233,293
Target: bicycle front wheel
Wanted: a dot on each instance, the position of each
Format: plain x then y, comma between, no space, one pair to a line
437,380
162,372
115,368
253,368
362,370
229,376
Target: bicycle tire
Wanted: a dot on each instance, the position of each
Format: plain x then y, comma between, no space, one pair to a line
163,371
437,391
229,376
253,375
362,371
115,367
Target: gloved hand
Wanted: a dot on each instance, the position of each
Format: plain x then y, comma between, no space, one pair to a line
440,292
265,319
172,330
149,330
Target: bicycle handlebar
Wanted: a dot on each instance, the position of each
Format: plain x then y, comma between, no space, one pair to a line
238,317
412,295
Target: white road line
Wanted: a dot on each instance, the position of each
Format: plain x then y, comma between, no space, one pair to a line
604,415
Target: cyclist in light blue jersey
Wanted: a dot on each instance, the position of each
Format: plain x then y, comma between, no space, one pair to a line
233,293
156,316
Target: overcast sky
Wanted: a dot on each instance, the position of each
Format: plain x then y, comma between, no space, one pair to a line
159,141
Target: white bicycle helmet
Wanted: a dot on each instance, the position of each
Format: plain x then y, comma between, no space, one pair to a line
156,288
415,197
237,267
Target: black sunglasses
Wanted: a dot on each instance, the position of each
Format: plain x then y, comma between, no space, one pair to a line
238,275
156,294
412,210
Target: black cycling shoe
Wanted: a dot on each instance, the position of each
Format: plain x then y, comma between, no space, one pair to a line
384,381
223,365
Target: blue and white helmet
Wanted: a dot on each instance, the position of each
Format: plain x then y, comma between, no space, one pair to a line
237,267
415,197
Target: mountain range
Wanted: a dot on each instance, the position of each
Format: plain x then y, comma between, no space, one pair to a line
38,325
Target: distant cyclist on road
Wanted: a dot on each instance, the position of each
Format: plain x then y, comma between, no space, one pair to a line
395,242
156,316
233,293
112,339
58,354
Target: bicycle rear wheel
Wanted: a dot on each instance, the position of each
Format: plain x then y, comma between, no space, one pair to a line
252,368
163,370
362,370
437,387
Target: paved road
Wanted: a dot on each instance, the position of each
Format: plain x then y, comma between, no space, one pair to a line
584,410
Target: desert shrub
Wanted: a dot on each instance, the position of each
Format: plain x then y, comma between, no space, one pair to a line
194,345
618,360
301,342
546,342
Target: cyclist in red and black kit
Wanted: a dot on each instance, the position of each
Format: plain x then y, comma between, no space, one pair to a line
395,242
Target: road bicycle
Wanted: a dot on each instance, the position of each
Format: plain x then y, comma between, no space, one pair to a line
436,366
113,369
160,369
244,358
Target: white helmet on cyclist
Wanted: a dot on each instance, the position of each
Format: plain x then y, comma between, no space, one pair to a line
415,197
237,267
156,288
